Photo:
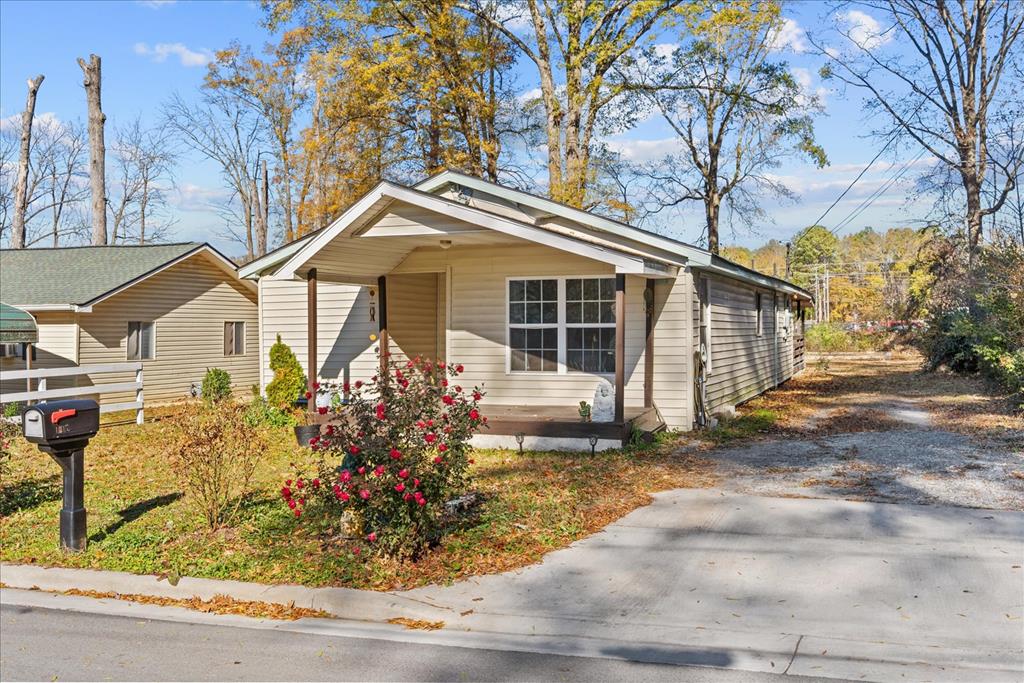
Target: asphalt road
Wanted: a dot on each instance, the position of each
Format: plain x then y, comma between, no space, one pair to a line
45,644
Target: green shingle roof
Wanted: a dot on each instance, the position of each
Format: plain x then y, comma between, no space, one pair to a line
17,325
78,275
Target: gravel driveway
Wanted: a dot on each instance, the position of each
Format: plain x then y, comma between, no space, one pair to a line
904,456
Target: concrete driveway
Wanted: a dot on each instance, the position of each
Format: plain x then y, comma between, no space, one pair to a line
815,587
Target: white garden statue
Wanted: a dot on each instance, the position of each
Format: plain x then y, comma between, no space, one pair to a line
604,402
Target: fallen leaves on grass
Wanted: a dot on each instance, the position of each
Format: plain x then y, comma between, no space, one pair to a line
418,624
219,604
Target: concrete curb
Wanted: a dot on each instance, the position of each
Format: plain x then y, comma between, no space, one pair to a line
343,603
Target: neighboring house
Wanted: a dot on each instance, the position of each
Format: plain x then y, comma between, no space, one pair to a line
178,308
541,302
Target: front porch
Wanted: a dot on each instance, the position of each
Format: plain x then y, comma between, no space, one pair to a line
560,428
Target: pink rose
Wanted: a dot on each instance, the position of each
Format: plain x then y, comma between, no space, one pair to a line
396,454
399,487
345,475
403,473
364,494
371,537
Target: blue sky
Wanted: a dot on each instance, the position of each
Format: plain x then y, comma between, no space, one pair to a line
152,49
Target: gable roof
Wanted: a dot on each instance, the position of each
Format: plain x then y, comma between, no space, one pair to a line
594,231
75,278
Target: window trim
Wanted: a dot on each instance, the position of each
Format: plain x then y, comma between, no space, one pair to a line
759,304
127,336
235,338
563,369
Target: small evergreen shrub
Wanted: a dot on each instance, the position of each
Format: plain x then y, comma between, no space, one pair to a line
261,414
289,379
216,385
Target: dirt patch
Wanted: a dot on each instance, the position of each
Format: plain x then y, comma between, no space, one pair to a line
872,427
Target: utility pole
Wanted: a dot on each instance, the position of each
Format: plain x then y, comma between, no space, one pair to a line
788,266
828,296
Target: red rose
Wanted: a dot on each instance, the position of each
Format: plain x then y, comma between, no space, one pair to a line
358,384
448,400
437,460
474,414
344,496
421,501
329,429
396,454
399,487
299,484
458,389
416,483
309,395
407,497
354,450
345,475
441,365
403,473
291,503
379,470
361,470
322,410
316,483
444,383
364,494
316,385
345,387
430,438
442,447
288,482
380,411
371,537
477,396
459,369
298,513
430,423
286,492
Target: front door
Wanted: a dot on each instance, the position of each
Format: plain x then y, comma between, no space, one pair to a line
416,315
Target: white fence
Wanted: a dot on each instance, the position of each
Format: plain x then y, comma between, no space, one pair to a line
41,393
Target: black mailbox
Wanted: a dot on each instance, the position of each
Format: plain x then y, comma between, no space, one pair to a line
61,425
63,429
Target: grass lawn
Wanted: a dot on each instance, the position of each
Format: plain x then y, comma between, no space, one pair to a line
140,521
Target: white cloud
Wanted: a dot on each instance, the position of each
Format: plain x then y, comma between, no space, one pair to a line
644,150
805,79
46,121
191,197
864,30
790,36
161,51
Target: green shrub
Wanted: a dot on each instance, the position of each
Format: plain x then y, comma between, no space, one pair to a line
216,385
8,432
12,409
261,414
289,379
828,337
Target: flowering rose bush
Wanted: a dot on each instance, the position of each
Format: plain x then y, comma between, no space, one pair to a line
395,449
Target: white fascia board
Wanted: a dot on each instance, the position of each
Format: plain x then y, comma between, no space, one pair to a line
253,269
49,308
218,259
693,254
737,273
385,190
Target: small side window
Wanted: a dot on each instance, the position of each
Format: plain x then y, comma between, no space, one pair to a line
234,339
760,314
141,340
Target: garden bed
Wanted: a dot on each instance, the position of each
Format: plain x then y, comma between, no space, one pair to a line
140,521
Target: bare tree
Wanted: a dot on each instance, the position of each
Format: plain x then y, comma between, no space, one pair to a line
143,162
941,85
20,187
735,111
227,131
97,150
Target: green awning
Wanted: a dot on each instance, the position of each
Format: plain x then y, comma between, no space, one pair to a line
17,326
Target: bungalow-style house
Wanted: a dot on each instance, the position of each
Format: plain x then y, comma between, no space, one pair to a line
177,308
541,303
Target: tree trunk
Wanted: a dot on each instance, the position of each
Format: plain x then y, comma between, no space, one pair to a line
257,212
261,236
711,210
21,186
97,151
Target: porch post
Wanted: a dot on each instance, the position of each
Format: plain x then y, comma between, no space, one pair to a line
620,347
311,350
649,349
382,292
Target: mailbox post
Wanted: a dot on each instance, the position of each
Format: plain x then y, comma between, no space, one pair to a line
63,429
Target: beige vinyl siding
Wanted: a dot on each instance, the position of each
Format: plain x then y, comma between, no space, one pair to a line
413,319
57,348
476,331
344,349
189,304
744,364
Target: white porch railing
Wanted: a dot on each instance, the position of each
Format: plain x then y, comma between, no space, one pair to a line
41,393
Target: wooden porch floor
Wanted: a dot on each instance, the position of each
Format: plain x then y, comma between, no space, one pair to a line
564,422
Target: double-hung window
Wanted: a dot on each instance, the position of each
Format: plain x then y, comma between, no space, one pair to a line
533,325
141,340
561,324
590,324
